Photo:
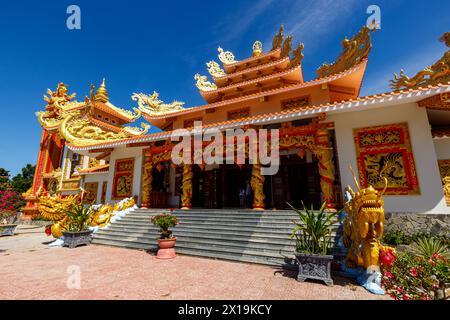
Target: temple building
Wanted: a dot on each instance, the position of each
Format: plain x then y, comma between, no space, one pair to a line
324,125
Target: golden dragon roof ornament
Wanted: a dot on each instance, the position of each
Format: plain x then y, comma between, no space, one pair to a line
226,57
354,51
287,46
278,39
437,73
297,56
150,104
215,70
203,84
75,123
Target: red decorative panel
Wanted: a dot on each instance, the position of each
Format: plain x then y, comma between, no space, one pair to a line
123,179
385,151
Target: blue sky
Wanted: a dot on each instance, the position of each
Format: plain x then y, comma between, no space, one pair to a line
141,46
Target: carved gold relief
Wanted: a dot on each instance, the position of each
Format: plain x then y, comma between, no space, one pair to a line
444,169
186,196
385,151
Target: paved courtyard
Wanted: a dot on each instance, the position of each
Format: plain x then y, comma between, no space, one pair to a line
35,271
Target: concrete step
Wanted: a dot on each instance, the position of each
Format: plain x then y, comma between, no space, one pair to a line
240,235
276,259
206,238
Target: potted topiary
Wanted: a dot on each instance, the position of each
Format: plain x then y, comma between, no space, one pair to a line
313,243
77,231
166,241
7,225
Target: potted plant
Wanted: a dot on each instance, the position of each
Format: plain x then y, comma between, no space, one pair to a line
77,231
7,225
166,241
313,243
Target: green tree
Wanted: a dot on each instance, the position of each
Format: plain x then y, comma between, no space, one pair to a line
23,181
4,179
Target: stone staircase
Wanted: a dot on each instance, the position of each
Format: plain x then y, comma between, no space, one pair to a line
238,235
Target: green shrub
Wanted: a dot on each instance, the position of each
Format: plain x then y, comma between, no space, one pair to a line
313,231
396,237
79,216
164,222
426,247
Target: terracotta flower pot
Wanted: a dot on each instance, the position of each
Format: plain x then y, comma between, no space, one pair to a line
166,248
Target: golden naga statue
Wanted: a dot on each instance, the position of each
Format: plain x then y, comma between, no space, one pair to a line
215,70
354,51
437,73
203,84
54,208
151,104
278,39
363,226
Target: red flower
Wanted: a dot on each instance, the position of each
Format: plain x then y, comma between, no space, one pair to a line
48,230
388,275
413,272
387,258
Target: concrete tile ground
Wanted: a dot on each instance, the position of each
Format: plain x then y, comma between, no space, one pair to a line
34,271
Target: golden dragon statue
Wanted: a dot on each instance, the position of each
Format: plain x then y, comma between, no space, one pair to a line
54,208
363,226
151,104
439,72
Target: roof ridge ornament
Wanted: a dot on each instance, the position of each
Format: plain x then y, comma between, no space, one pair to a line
354,51
215,70
439,72
297,56
278,39
287,46
102,93
203,84
226,57
257,48
150,104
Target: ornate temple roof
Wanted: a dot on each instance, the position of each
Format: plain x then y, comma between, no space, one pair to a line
359,103
88,122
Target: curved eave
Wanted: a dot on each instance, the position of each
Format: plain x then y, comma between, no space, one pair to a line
292,74
230,68
114,111
383,100
222,81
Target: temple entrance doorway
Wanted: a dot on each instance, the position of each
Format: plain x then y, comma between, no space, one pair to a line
297,179
220,186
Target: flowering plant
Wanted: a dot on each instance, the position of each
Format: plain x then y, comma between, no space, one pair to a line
10,201
412,277
164,222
